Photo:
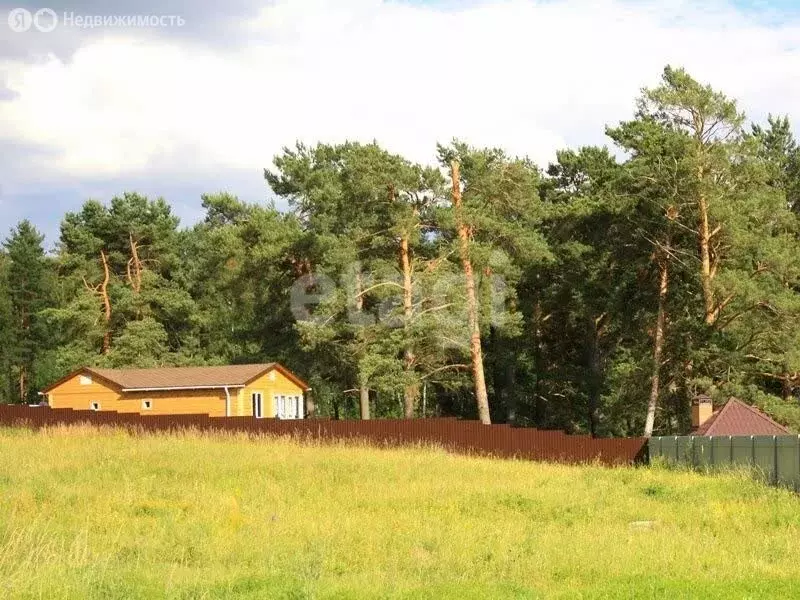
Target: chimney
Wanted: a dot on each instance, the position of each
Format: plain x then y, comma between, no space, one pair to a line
702,407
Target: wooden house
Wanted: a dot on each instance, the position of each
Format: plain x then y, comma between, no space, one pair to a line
262,391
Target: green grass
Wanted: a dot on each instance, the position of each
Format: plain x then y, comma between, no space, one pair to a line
88,514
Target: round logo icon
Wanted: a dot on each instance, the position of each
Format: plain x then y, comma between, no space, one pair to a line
45,20
20,20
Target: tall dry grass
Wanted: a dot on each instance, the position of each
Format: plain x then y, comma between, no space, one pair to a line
103,514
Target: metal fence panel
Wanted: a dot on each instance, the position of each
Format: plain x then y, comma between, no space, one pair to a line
669,448
685,452
471,437
764,457
721,448
742,450
654,447
704,452
773,459
787,454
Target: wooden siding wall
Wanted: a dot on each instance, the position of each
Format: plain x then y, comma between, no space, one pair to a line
72,394
188,402
268,386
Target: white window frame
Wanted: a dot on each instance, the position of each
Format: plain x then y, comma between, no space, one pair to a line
257,402
95,406
147,404
85,379
288,407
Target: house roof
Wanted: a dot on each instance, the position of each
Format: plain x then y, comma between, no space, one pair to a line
184,377
738,418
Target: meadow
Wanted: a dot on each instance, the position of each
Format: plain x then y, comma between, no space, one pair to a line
89,513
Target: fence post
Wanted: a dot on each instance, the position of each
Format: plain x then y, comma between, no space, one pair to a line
711,462
775,459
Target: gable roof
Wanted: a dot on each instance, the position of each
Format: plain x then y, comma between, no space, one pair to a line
738,418
166,378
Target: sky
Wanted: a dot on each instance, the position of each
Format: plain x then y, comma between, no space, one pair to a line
178,111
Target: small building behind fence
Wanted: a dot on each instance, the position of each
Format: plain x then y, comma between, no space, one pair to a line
732,418
734,435
775,458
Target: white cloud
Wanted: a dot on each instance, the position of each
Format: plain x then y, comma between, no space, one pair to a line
529,76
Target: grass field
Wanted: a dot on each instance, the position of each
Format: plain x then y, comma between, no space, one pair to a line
88,514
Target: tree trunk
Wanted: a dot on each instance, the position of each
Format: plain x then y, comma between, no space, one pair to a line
363,393
595,372
706,274
311,407
135,266
538,408
786,388
476,352
503,373
511,389
658,347
411,390
363,389
106,302
23,384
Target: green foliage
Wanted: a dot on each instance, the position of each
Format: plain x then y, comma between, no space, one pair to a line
6,339
142,343
358,284
27,286
778,150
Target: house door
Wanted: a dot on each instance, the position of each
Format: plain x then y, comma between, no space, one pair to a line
258,408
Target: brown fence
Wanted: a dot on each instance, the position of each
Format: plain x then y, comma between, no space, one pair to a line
456,435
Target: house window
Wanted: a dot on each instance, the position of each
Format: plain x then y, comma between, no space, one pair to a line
147,404
85,380
258,408
288,407
94,406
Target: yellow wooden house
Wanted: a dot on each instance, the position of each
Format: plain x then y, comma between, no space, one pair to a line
262,391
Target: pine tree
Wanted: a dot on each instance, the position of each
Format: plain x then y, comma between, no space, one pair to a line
29,293
493,219
6,338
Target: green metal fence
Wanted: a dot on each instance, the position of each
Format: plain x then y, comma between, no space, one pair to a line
775,458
